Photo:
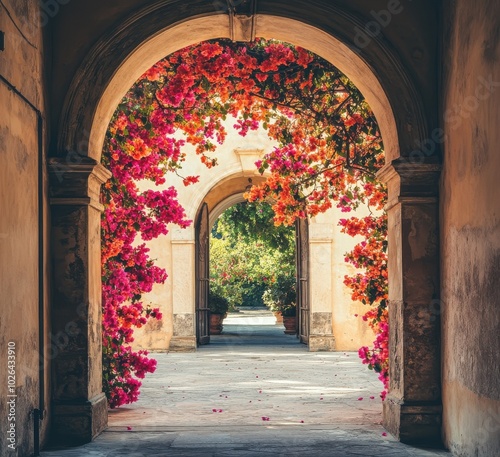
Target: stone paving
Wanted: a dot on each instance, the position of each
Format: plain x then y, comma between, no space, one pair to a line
254,391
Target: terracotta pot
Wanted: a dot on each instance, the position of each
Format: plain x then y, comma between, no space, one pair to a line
290,323
278,316
216,323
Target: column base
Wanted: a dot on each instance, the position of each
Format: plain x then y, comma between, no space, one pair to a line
321,343
413,423
79,423
182,344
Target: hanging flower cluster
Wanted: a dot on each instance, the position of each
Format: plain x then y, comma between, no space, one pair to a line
329,148
370,285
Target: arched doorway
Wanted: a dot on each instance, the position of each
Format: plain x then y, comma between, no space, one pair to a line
412,411
204,222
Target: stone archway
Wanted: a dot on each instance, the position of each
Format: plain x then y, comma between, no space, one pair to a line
412,411
220,198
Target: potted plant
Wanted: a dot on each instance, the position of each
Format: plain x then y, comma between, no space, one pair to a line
289,313
280,298
218,306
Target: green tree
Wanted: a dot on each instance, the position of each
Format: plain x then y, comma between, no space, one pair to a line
249,254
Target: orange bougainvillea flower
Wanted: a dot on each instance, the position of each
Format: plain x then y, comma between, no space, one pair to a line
328,150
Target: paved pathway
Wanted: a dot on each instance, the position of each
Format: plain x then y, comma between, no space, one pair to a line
254,391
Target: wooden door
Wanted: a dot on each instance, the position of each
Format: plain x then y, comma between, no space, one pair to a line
302,253
202,277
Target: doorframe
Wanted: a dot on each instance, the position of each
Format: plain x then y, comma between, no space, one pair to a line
202,276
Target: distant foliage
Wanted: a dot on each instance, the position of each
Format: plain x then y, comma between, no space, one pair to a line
249,254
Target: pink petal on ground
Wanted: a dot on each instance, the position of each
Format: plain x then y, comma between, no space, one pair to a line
384,433
220,410
360,398
301,422
214,410
129,428
371,398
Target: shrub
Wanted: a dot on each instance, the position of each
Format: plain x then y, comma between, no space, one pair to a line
281,295
217,304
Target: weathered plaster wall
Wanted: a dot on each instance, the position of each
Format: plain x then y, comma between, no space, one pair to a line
470,228
21,64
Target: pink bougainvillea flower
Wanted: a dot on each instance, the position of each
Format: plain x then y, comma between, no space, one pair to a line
140,145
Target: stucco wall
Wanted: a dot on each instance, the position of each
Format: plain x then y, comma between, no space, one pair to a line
470,231
21,65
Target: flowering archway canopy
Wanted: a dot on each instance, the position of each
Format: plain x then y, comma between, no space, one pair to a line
328,150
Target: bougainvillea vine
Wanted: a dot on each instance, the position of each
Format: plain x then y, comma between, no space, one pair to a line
329,148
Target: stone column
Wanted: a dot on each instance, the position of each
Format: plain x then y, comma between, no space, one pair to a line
183,291
79,407
321,336
412,409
